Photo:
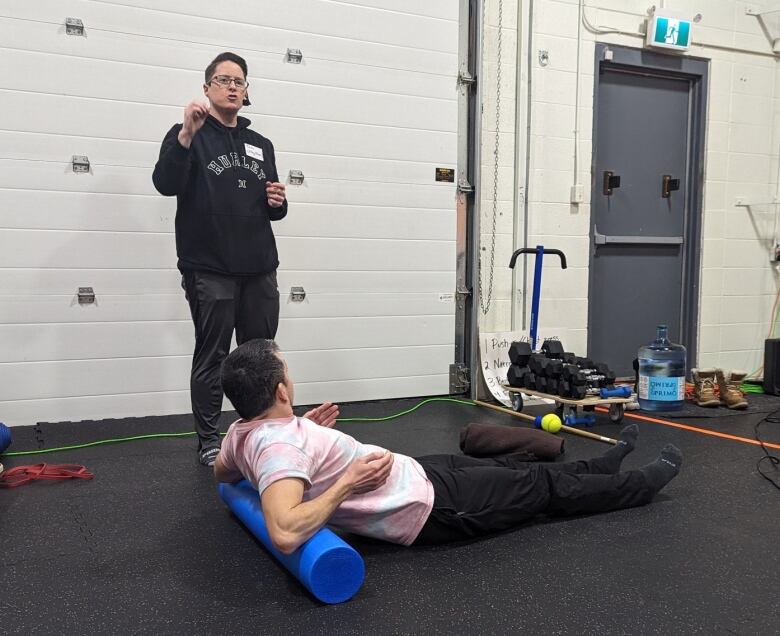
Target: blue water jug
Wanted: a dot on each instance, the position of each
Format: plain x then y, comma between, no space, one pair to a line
661,374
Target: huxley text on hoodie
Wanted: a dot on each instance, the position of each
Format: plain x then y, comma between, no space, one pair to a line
223,220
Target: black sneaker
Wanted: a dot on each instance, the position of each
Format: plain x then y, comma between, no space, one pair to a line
208,456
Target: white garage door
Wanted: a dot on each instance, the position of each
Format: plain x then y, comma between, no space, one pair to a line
368,116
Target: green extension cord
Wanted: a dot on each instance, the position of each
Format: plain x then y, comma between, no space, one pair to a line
406,412
119,440
750,387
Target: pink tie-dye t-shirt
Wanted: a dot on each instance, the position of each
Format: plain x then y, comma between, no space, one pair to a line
266,451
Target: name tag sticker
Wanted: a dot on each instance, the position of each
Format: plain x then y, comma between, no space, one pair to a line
254,152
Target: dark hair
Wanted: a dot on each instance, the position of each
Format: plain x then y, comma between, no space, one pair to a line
225,57
250,375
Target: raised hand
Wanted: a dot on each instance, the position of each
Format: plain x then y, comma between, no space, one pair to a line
195,115
324,414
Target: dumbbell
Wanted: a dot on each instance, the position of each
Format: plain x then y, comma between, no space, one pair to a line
520,352
572,374
618,392
584,363
593,380
552,348
554,369
564,388
529,380
536,362
541,383
552,386
514,375
600,376
579,391
569,358
588,380
603,369
585,420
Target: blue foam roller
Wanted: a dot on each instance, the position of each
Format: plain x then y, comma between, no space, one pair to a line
328,567
5,437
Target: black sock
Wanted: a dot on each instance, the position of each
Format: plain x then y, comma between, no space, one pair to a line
665,468
614,456
609,462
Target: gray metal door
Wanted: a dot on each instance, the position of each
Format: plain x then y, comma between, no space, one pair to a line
638,227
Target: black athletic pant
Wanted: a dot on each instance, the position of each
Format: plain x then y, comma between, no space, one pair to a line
219,304
475,497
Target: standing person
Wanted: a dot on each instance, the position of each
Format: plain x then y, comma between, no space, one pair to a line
227,189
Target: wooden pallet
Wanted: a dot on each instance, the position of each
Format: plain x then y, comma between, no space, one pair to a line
616,405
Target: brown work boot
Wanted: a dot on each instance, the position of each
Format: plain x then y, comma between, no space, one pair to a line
730,393
704,387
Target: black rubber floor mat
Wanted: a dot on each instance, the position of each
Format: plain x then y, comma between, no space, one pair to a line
146,547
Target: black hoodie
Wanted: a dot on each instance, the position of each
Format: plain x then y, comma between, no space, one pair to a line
223,220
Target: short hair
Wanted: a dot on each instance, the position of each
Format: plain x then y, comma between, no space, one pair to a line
227,56
250,375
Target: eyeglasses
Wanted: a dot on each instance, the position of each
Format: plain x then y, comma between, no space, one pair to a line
225,80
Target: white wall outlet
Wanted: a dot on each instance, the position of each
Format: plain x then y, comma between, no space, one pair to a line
577,194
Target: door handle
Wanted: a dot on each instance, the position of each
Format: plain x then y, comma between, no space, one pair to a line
606,239
669,185
611,181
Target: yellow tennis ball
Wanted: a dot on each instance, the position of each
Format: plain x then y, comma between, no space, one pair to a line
551,423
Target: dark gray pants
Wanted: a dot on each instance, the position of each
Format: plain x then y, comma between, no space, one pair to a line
220,303
477,497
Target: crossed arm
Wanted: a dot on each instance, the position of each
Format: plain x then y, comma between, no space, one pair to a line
292,521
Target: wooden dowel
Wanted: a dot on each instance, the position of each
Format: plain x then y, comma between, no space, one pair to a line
503,409
578,431
531,418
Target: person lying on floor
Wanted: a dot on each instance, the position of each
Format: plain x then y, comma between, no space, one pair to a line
308,474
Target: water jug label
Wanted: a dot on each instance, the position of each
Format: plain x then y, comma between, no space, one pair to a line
664,389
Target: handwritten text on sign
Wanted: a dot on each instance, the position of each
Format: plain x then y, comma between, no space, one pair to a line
494,350
494,359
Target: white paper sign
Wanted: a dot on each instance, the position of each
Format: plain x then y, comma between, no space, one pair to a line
494,360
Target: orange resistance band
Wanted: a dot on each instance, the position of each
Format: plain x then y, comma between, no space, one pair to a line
696,429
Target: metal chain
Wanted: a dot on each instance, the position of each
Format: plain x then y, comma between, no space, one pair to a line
483,302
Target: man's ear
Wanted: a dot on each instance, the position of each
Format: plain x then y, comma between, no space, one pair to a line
246,101
281,393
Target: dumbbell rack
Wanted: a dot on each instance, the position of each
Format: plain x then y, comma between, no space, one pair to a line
553,349
568,406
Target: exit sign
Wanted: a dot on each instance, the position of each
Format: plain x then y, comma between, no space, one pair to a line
669,32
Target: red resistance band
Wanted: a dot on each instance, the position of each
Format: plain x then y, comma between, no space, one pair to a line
21,475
